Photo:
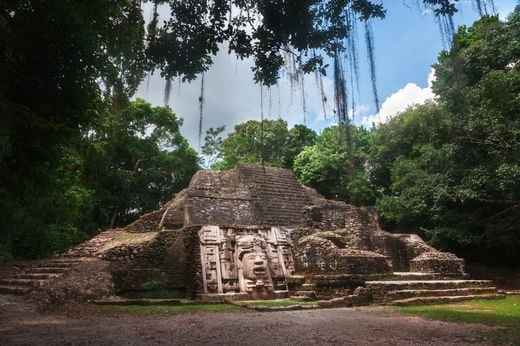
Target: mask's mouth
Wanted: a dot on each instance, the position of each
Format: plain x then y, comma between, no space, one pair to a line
259,271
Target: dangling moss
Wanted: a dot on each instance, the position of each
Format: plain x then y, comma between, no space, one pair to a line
340,95
201,108
369,38
441,31
148,82
152,27
478,5
352,44
319,83
230,10
341,101
492,7
167,90
448,29
484,7
304,107
262,151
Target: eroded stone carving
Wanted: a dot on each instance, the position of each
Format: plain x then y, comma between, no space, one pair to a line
251,261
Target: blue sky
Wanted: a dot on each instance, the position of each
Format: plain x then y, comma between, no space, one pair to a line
407,43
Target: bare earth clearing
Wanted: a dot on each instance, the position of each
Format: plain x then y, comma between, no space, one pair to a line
21,325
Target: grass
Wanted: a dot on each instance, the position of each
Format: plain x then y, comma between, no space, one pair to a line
503,313
276,302
159,293
493,312
172,309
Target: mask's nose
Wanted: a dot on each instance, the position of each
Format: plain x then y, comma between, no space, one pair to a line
259,260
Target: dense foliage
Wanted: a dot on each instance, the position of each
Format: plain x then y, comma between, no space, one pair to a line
452,168
56,58
335,168
76,156
448,169
136,160
269,142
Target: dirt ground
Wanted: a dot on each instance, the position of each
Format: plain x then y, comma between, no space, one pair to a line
20,324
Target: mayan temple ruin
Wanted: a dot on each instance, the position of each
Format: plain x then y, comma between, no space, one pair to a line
256,232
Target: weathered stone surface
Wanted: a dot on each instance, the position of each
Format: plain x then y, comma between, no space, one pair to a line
331,252
249,230
245,261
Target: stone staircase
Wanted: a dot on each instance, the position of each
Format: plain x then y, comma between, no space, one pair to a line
398,288
33,276
94,246
282,198
421,292
306,292
300,289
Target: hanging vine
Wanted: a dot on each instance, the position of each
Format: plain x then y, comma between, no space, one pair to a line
318,77
369,39
262,151
304,106
340,94
484,7
201,108
167,91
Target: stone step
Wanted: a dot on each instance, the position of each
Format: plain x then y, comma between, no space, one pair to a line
289,206
56,264
18,282
280,180
266,174
48,270
402,294
281,211
64,261
427,284
444,299
278,186
295,280
311,294
308,287
410,276
282,208
14,290
37,276
287,203
275,187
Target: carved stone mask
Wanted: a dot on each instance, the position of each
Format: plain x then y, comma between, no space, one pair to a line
255,266
251,252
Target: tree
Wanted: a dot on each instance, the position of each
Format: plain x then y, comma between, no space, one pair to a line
334,170
298,139
454,166
261,29
57,59
268,141
212,148
136,161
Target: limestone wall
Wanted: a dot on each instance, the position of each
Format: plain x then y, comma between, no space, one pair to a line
357,228
208,210
141,265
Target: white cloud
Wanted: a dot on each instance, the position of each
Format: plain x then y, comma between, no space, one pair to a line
232,97
410,95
